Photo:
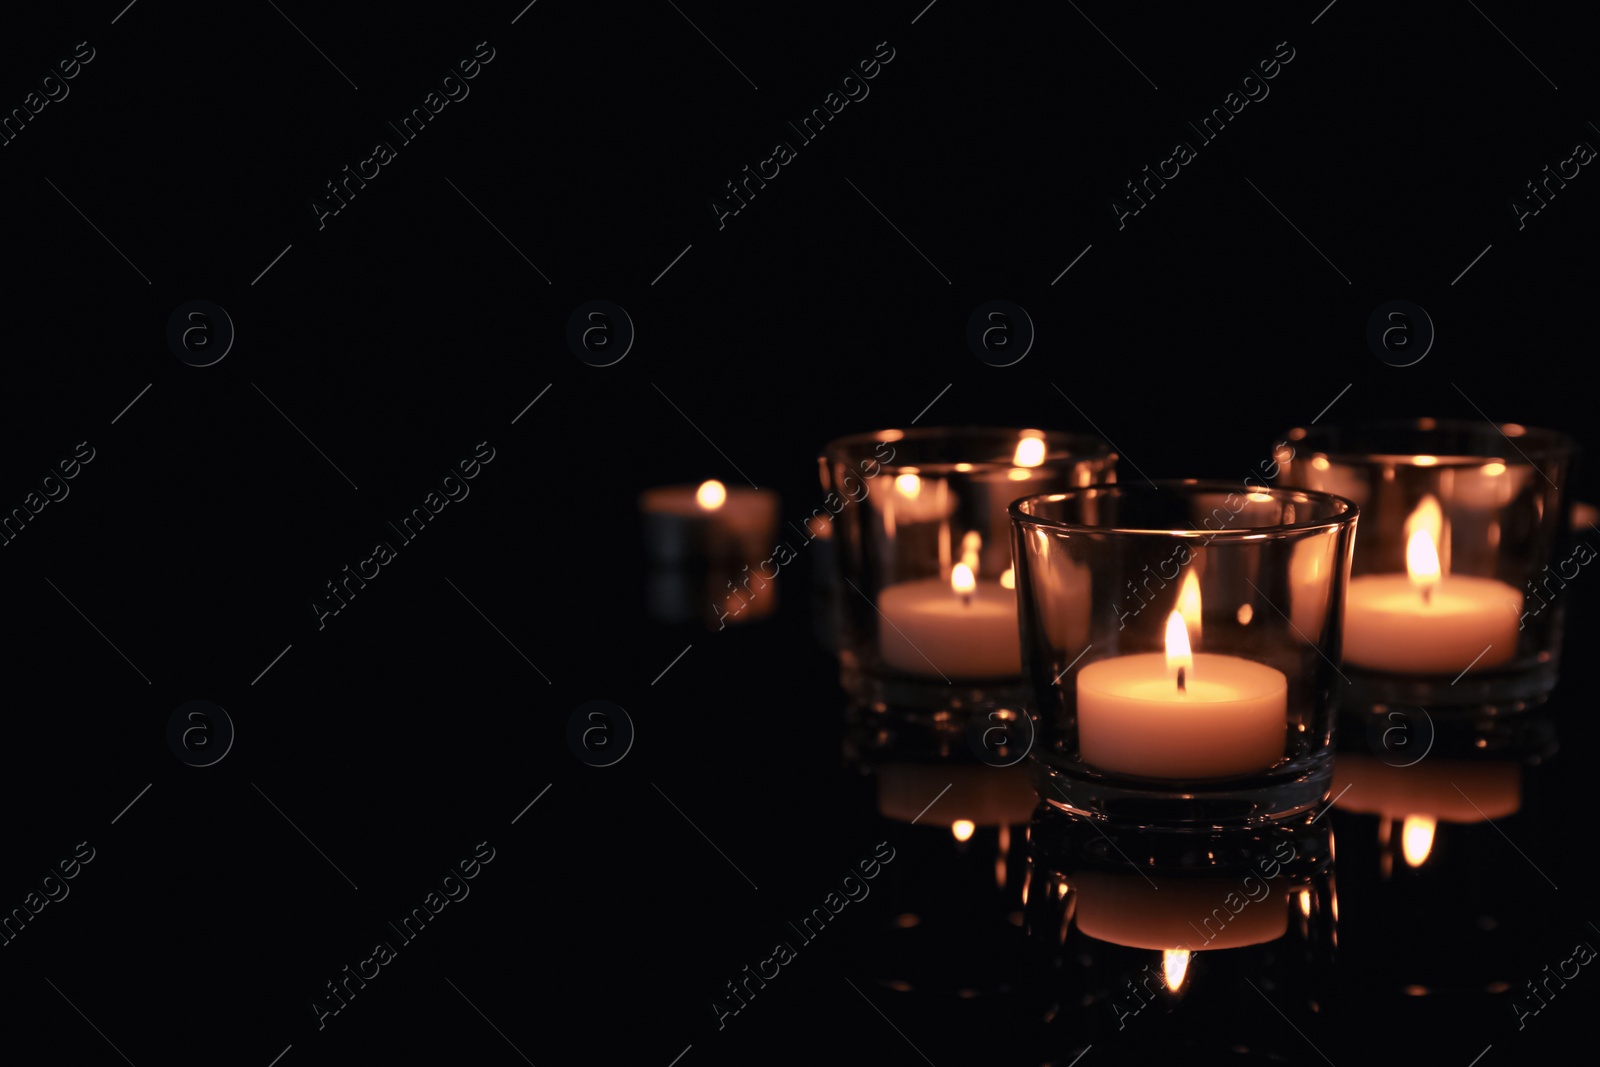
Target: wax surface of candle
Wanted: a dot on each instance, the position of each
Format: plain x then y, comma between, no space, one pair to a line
1389,627
973,637
1229,720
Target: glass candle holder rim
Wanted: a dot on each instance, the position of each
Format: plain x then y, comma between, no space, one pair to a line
1345,515
1526,442
1078,446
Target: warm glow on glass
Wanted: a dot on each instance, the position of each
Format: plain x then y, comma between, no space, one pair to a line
961,580
1178,655
1008,579
1416,838
1426,461
962,829
1495,469
1245,614
909,485
711,495
1019,474
1320,462
1030,452
1305,903
1174,966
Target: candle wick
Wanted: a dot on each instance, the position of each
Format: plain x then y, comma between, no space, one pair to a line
966,600
1427,594
1181,677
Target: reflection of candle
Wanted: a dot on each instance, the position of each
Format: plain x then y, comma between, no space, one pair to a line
1463,791
1182,914
979,795
1427,622
961,628
1422,795
1181,715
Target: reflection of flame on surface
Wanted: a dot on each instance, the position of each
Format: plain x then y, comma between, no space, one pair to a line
711,495
1416,838
1008,579
908,485
1305,903
962,829
1245,614
1174,966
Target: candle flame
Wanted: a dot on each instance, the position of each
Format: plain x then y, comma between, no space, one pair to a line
908,485
1030,452
1179,658
1008,579
1422,529
961,580
962,829
1189,604
1416,838
1174,966
1305,903
711,495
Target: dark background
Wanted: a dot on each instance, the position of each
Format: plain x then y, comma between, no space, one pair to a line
406,330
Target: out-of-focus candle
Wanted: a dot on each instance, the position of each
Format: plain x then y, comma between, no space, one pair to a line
1179,714
958,627
1427,621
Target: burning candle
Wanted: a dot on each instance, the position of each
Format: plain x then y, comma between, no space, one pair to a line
1181,714
1428,621
958,627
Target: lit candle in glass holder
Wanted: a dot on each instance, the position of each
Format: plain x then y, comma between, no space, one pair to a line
1179,714
1425,621
958,627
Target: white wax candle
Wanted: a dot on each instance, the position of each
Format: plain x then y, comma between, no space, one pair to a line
1389,626
1229,719
928,629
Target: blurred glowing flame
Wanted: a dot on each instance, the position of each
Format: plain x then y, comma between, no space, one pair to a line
962,582
908,485
1008,579
1416,838
711,495
1030,452
962,829
1174,966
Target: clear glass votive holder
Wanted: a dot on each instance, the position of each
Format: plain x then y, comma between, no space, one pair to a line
1181,639
1456,592
926,608
704,546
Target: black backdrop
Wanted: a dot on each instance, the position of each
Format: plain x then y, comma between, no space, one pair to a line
381,346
